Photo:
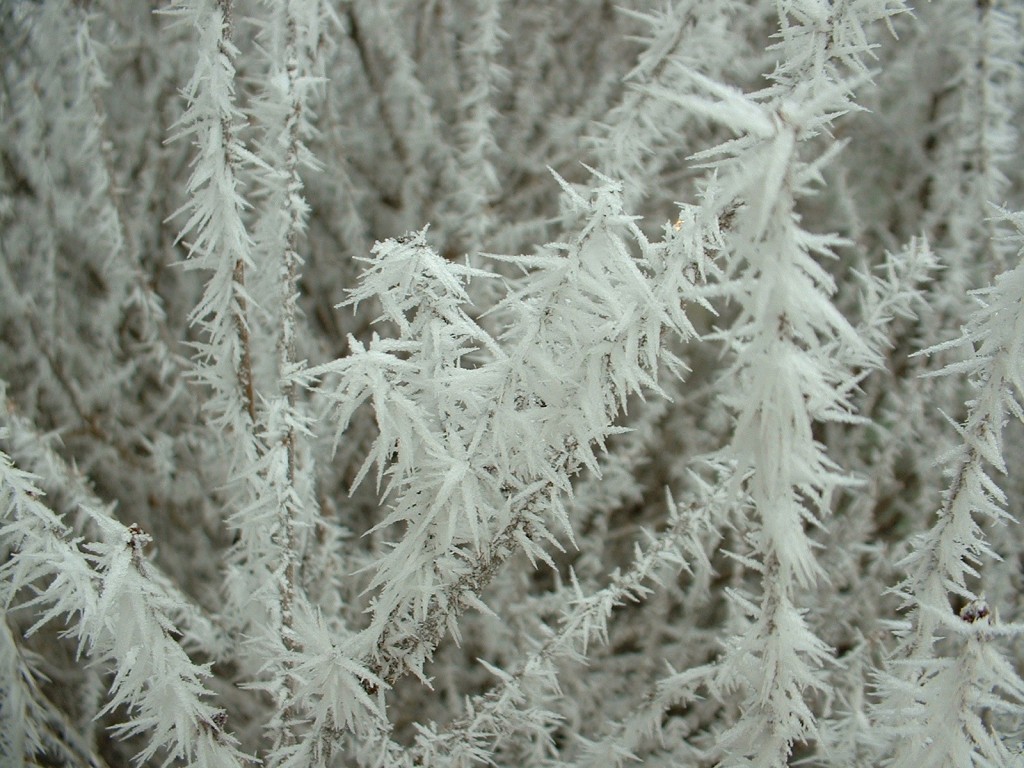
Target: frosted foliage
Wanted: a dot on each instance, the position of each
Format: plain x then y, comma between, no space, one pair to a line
443,383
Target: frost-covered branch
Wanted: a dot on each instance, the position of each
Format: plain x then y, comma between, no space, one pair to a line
948,558
507,712
121,620
787,374
478,455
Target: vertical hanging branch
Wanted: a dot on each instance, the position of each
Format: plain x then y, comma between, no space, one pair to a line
292,35
478,180
795,356
405,106
256,574
294,209
219,240
786,380
974,115
943,705
967,152
995,77
220,244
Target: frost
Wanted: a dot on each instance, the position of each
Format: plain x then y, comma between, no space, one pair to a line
465,382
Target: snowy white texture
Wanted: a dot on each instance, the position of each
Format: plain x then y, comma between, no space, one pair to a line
464,382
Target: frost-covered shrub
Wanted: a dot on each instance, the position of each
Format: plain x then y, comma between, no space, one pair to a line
457,382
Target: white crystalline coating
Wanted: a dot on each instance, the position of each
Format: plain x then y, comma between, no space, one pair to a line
443,383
